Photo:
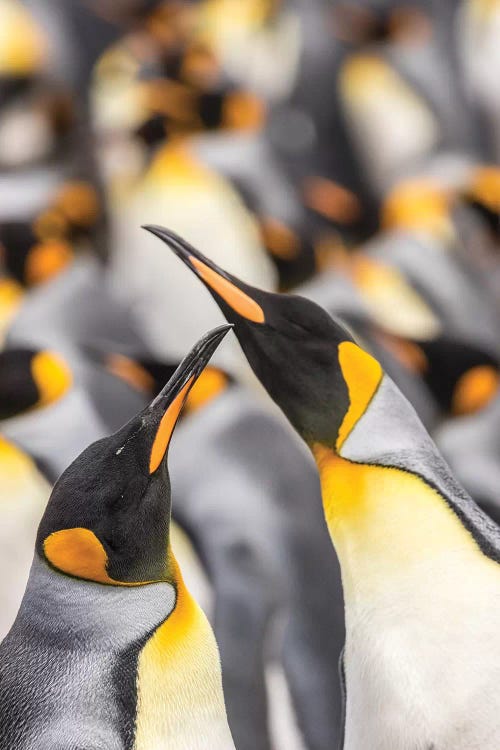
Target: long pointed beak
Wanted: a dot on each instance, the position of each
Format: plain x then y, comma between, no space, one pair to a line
185,251
169,402
238,296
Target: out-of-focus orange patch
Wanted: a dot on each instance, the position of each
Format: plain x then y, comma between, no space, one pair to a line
130,372
280,240
200,66
240,302
243,111
417,204
171,23
23,46
175,163
331,200
166,427
482,10
52,376
331,253
484,187
475,389
352,23
363,73
11,295
46,259
78,201
408,354
170,98
410,25
50,224
210,384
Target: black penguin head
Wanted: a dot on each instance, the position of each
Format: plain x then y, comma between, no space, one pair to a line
31,379
108,516
308,363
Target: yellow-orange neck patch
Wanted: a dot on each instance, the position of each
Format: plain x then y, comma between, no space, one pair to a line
78,552
240,302
362,373
52,377
386,523
166,428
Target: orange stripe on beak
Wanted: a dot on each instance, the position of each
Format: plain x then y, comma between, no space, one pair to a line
166,427
240,302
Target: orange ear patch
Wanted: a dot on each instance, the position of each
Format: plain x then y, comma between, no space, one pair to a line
166,428
78,552
474,389
362,373
240,302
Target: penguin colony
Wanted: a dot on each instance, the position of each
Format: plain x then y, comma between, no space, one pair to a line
319,474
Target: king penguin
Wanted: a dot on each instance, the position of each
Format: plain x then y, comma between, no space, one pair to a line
419,559
109,651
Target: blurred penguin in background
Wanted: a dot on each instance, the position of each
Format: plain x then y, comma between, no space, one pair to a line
23,496
52,203
400,89
477,28
155,109
107,624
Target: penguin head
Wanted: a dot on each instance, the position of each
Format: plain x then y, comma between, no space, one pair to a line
108,517
308,363
31,379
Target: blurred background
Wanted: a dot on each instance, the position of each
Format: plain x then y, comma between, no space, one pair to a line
346,151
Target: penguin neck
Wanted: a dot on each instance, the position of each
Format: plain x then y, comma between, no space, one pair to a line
84,615
387,525
391,504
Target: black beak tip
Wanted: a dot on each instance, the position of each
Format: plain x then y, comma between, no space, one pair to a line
176,243
154,229
209,343
193,363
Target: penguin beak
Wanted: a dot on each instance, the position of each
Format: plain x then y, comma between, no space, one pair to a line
164,410
240,298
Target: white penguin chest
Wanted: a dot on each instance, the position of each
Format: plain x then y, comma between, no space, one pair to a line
423,665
